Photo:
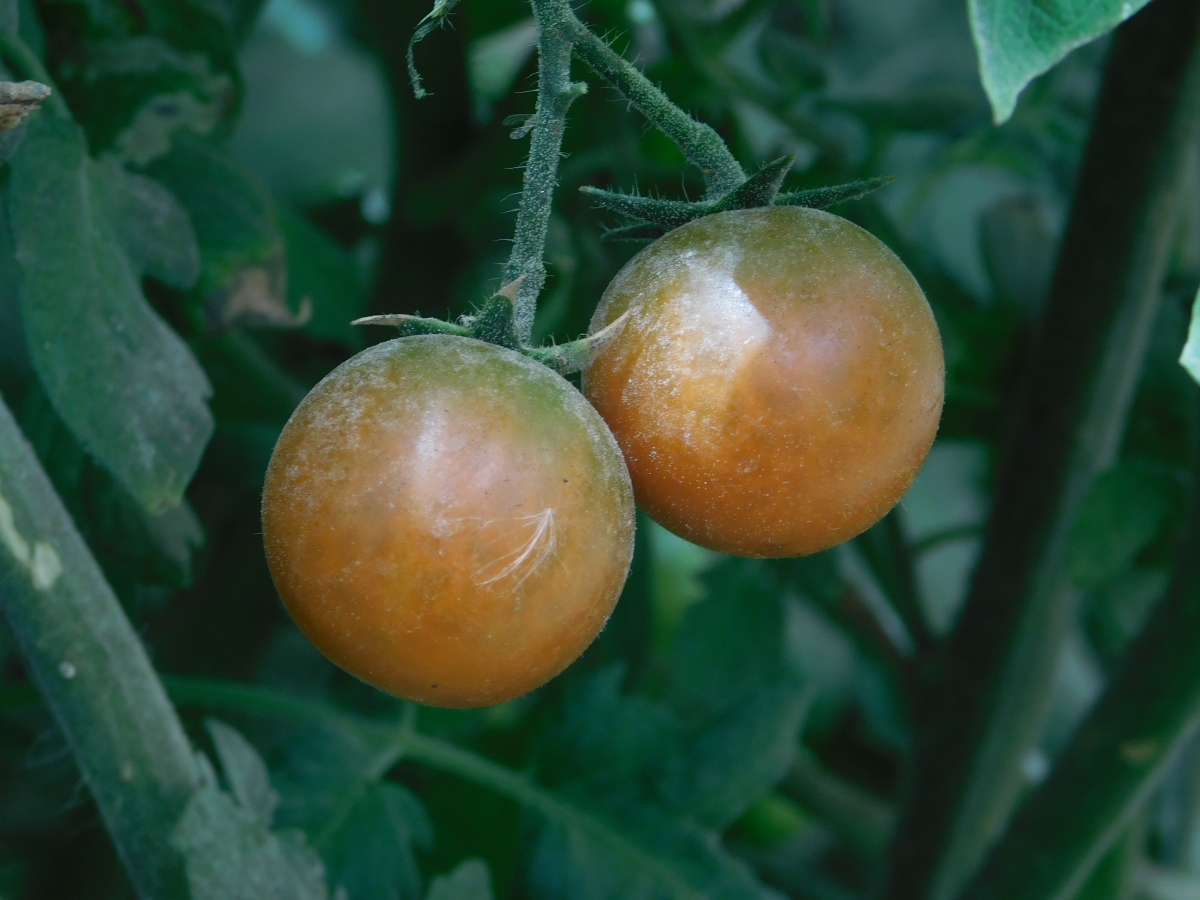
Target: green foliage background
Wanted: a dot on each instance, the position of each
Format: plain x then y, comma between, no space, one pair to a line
183,245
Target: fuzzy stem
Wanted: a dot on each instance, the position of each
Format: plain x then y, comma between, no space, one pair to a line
701,145
93,672
988,695
555,94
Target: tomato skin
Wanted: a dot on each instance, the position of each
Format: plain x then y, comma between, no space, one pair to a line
778,384
448,520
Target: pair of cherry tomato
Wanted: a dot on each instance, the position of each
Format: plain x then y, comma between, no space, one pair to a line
453,523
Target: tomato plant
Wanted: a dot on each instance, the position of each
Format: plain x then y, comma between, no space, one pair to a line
215,195
448,520
778,382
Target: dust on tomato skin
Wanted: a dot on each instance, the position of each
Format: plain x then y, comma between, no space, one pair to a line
448,520
778,384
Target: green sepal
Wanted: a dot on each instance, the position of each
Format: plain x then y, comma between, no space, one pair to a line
496,321
760,189
566,359
666,213
409,326
821,198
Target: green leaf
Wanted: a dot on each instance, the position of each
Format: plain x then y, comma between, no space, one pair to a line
1124,511
133,545
1017,40
374,853
120,378
366,829
243,274
245,772
231,856
154,229
741,731
320,270
469,881
138,75
1190,358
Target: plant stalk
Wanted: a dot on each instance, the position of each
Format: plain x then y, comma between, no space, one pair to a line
701,145
986,697
1104,776
555,95
93,672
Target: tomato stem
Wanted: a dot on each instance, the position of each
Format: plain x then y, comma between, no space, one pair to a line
561,34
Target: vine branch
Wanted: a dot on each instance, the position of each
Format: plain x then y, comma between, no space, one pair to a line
560,35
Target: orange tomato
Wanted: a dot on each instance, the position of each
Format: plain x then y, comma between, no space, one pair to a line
778,383
448,520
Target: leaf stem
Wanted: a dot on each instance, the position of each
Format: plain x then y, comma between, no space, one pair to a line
988,694
93,672
701,145
561,34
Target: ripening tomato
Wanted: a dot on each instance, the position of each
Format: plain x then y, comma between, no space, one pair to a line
448,520
778,383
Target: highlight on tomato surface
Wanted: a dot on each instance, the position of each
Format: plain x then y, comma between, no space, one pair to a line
448,520
778,383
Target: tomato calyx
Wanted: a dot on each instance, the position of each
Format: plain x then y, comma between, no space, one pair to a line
495,323
653,217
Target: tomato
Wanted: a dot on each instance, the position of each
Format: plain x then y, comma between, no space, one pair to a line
448,520
778,383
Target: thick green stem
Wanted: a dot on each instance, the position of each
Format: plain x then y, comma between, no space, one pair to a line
1105,774
555,94
988,694
701,145
93,672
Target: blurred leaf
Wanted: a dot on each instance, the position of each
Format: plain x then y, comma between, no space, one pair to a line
664,775
1124,512
317,124
132,544
468,881
320,270
581,857
366,829
124,383
741,730
153,228
141,74
243,276
373,856
245,772
1018,40
1190,358
1018,251
497,59
230,855
1117,610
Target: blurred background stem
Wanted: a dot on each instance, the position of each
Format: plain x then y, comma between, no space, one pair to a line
1106,773
989,693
